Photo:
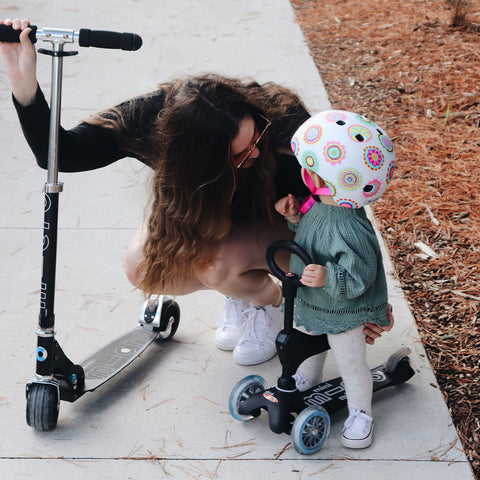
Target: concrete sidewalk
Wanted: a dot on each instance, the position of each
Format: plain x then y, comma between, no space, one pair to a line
166,416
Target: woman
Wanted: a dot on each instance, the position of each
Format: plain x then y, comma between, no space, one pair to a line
219,151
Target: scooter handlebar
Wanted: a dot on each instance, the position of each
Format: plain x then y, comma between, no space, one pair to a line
85,37
105,39
292,247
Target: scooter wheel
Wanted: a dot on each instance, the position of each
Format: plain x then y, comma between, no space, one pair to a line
310,430
169,321
42,406
395,358
398,366
245,388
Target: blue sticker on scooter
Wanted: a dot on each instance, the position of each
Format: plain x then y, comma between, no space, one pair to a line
42,354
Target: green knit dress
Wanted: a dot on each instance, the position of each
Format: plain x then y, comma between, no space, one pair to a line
344,241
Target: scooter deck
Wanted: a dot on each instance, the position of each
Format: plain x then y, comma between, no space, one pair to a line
331,394
112,358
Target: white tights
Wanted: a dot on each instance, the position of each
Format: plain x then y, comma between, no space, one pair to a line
349,352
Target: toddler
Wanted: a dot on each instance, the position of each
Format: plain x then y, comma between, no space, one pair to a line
347,163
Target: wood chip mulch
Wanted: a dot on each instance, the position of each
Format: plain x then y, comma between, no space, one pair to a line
403,64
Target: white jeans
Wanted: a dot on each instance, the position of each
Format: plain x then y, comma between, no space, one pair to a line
349,352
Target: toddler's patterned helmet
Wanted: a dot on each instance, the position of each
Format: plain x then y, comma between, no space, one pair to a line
352,154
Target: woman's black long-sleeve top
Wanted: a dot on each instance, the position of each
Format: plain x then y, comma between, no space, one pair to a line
87,147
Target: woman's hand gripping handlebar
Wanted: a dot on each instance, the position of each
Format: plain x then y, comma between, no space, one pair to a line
85,37
19,56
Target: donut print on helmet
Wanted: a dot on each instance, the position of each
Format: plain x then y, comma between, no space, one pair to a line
352,154
312,134
294,145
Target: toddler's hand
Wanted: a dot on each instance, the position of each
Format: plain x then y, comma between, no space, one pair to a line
288,206
314,275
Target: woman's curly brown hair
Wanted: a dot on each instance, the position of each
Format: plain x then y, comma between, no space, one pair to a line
196,191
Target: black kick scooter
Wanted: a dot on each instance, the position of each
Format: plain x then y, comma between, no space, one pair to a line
304,415
56,377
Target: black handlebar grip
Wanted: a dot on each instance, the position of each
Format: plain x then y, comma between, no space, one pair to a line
105,39
289,246
8,34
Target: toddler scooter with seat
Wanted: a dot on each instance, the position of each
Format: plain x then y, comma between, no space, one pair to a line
304,415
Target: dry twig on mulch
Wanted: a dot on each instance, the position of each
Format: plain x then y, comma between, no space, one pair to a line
402,64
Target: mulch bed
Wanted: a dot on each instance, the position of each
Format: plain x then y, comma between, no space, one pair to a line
403,64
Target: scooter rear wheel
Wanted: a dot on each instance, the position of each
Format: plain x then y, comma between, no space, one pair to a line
395,358
42,406
310,430
170,320
398,366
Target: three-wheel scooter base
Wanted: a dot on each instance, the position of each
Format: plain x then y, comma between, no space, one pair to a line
305,415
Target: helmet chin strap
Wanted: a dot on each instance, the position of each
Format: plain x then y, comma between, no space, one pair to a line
310,201
311,186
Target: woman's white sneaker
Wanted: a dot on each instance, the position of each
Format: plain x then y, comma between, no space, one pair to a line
229,332
357,430
259,332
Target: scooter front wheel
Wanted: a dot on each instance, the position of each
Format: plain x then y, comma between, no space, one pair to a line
43,405
244,389
310,430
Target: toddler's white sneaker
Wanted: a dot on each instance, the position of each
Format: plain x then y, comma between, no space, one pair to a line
357,430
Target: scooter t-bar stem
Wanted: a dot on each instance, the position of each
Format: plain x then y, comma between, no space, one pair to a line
85,37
